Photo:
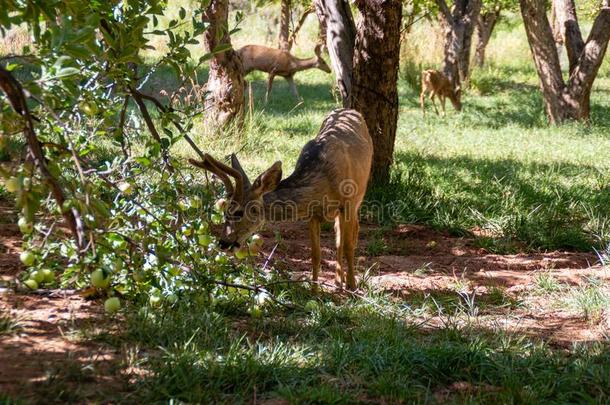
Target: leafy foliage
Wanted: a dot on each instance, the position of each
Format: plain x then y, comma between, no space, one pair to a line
130,199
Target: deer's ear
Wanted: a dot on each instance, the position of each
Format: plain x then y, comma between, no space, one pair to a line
268,180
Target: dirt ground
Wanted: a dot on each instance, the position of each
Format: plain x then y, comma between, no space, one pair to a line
413,261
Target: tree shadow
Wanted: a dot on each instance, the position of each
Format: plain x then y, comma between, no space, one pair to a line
527,202
353,351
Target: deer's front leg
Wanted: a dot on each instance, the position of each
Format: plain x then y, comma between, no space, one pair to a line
443,105
339,273
269,86
293,87
314,236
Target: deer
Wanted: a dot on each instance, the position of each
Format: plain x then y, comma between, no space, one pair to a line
437,84
328,184
277,62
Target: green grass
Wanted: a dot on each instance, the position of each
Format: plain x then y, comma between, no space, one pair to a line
355,351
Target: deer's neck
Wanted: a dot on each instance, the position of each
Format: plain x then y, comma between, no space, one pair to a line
291,201
304,64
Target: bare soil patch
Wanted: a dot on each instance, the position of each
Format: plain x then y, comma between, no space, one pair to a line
417,262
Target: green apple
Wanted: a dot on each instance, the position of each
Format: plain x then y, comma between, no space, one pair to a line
257,240
125,188
112,305
183,204
311,306
221,258
117,265
172,298
217,218
154,300
89,108
205,240
195,202
31,284
240,253
27,258
221,204
25,226
37,276
49,276
139,276
99,279
12,184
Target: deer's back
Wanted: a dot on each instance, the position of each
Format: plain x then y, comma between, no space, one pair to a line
435,80
338,161
263,58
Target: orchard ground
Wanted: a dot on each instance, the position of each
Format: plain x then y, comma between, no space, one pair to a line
491,285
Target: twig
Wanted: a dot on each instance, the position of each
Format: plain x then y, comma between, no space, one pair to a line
14,92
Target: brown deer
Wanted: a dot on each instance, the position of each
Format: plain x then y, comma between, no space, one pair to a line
328,183
437,84
279,63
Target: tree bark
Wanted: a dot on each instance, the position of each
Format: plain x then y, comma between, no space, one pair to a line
225,100
458,23
336,16
565,101
374,90
485,26
284,34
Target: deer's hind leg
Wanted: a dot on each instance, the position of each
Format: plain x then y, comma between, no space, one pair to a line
314,236
269,86
432,95
350,236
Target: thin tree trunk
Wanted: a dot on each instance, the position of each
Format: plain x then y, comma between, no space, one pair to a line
485,26
458,23
225,100
298,27
336,15
565,101
374,90
284,34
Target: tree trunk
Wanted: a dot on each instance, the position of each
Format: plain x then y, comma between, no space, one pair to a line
565,101
374,91
485,26
225,99
458,23
284,34
336,16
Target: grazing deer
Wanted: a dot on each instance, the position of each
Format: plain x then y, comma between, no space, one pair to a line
328,183
279,63
437,84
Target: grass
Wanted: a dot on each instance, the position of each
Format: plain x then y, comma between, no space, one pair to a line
354,352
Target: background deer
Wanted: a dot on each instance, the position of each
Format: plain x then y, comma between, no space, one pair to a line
437,84
328,183
279,63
